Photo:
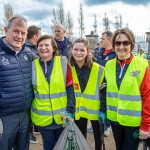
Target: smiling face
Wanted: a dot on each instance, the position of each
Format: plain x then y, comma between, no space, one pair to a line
16,34
122,46
45,50
79,53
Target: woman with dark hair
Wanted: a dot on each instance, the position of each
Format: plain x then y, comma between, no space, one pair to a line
87,79
128,93
53,89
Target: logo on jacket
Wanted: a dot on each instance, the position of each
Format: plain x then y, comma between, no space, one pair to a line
25,57
135,73
76,86
5,61
106,58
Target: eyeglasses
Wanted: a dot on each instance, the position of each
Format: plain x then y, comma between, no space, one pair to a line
124,43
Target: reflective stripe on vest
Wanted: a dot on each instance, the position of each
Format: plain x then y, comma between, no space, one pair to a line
47,113
124,112
88,102
49,96
50,100
125,105
124,97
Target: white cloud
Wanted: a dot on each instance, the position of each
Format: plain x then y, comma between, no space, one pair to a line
38,12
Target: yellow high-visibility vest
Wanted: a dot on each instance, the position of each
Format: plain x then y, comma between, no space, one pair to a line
124,105
88,102
143,55
50,98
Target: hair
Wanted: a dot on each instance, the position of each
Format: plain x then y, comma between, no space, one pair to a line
109,34
88,60
53,43
128,33
21,21
32,30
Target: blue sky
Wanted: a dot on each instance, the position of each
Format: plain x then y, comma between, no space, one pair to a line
136,13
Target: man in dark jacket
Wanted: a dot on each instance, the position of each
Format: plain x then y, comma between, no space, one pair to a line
16,92
63,43
96,50
34,33
106,53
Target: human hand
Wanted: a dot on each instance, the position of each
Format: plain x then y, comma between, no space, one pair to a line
101,117
144,134
70,115
64,57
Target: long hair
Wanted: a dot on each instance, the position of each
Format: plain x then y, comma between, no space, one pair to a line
88,60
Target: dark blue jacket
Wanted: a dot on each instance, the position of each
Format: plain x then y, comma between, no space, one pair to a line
16,93
32,47
64,47
102,59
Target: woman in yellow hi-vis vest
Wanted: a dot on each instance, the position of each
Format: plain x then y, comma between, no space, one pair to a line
53,90
127,93
87,79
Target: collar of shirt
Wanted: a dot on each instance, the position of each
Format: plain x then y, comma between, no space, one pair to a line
126,61
11,47
106,51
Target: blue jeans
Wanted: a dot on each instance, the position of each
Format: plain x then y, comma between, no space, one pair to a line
16,131
124,138
50,137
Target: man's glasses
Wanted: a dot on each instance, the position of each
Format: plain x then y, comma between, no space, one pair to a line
124,43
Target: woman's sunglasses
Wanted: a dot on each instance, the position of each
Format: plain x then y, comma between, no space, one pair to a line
124,43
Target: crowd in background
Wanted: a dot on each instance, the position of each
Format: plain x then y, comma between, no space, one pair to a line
42,76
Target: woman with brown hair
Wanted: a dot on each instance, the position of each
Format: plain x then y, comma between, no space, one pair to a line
53,90
128,93
87,79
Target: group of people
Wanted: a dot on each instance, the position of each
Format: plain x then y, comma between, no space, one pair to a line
42,76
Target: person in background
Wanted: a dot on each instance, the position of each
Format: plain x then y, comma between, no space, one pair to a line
62,42
53,89
142,54
16,92
96,50
87,79
106,53
128,92
34,33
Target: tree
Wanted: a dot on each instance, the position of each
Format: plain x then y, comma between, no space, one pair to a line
81,21
53,20
95,24
106,22
8,13
61,13
58,16
118,23
69,25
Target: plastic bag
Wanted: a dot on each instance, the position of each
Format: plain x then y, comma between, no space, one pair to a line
71,138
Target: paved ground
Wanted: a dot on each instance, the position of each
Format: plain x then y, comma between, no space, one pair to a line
109,142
